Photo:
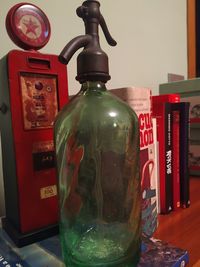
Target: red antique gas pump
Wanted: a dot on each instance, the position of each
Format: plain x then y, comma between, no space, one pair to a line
33,89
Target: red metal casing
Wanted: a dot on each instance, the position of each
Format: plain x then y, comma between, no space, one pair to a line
38,90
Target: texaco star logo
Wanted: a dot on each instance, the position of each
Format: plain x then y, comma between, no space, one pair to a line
30,26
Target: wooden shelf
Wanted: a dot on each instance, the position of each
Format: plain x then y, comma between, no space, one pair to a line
191,37
182,228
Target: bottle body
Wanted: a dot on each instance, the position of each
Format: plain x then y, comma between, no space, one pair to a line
97,152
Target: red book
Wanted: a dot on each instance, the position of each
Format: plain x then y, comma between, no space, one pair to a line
183,108
176,158
162,113
174,98
171,98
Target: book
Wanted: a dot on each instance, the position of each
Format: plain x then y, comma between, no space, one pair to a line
171,98
159,253
180,149
183,109
41,254
185,88
157,180
45,253
189,91
175,115
194,158
176,158
194,139
194,109
194,136
140,99
162,113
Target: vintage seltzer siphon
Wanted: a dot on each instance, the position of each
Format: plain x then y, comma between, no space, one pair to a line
97,152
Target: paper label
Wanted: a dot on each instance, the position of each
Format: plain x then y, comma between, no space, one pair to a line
49,191
39,100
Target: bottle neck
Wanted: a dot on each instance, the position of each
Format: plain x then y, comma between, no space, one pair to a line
93,86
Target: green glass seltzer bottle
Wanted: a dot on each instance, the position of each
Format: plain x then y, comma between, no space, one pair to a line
97,153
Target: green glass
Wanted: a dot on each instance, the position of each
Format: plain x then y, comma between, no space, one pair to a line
97,151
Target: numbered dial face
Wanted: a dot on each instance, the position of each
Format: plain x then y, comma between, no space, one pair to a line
28,26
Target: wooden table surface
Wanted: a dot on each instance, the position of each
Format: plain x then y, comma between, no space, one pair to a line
182,228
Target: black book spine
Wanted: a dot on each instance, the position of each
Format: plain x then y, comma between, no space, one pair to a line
168,157
183,107
184,153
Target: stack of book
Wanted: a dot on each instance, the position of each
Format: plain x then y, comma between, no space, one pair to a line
173,136
164,155
189,91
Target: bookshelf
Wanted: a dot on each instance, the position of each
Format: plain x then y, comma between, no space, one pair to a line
182,228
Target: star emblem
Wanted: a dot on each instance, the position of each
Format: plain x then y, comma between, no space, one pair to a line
31,26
